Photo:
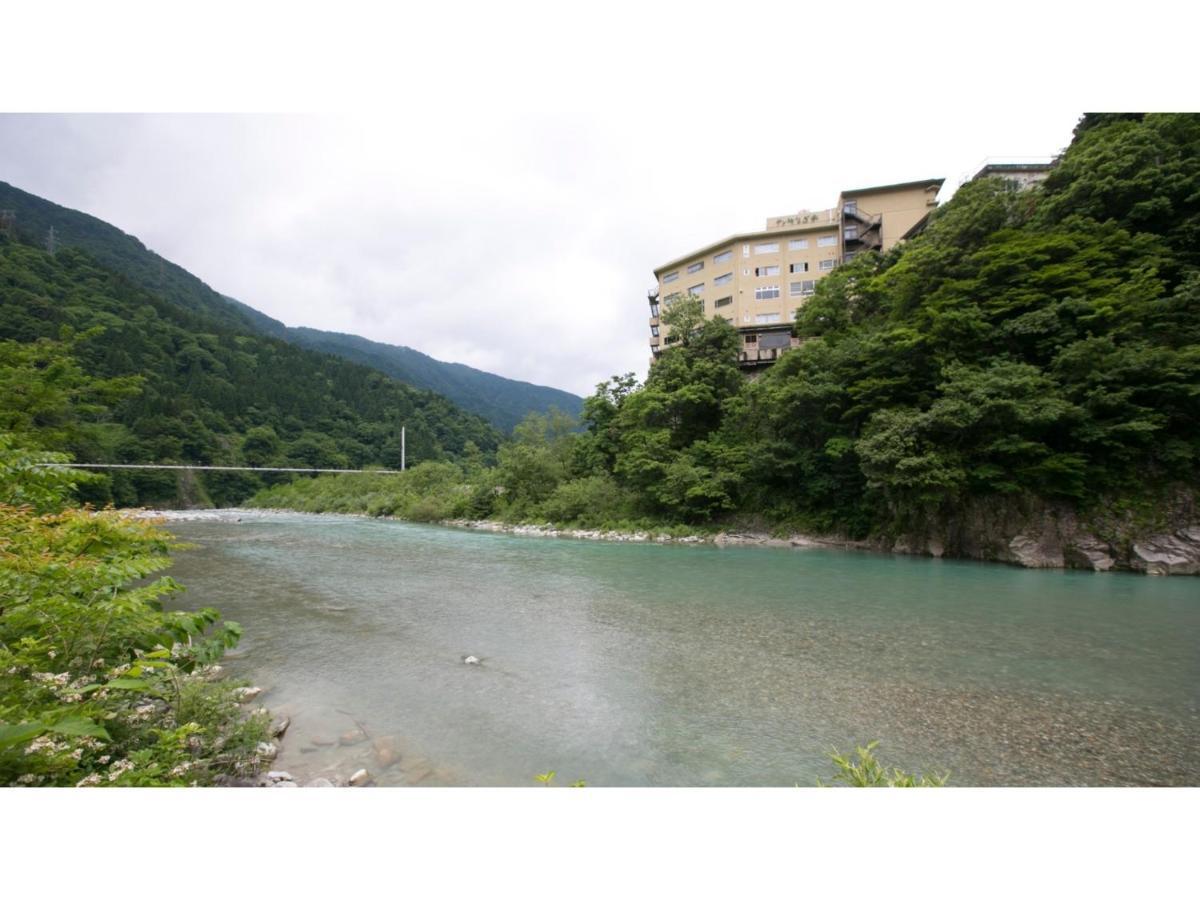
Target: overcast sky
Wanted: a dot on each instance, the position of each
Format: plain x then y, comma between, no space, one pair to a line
502,203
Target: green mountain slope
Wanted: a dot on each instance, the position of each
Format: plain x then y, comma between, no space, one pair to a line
502,401
210,393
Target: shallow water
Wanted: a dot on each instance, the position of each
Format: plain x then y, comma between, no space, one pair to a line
634,664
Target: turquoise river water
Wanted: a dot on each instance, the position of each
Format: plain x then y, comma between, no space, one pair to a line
644,664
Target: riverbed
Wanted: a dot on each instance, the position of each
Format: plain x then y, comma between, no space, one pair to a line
646,664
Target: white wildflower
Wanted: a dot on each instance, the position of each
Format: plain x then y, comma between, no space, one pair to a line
52,653
77,754
119,768
181,768
37,745
104,759
29,778
88,781
98,664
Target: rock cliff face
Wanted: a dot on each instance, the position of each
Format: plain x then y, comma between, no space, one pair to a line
1040,535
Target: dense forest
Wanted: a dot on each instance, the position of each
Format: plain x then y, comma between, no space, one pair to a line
502,401
1038,345
182,385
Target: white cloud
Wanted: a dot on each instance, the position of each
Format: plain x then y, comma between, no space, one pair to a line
504,208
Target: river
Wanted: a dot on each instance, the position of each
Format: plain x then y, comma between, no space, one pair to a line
644,664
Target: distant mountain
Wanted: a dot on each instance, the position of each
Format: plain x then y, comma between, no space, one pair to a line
502,401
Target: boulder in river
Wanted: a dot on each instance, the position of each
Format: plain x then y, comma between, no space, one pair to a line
319,782
360,778
472,660
279,726
267,750
246,694
350,738
386,752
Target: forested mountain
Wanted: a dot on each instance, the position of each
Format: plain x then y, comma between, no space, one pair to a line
502,401
192,386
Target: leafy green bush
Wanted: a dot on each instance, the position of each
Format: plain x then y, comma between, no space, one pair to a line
98,684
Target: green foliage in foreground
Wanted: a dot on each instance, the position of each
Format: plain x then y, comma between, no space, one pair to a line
864,770
98,684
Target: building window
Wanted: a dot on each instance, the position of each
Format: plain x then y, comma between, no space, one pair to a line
762,271
801,244
802,288
766,248
846,257
767,292
745,250
850,207
830,240
797,268
724,301
696,288
667,279
722,257
751,338
850,232
695,267
723,279
654,330
826,264
767,318
654,310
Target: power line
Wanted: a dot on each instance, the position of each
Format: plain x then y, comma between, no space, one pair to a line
213,468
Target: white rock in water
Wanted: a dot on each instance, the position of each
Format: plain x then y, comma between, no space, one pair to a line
267,750
246,694
280,727
280,776
320,782
472,660
286,784
359,778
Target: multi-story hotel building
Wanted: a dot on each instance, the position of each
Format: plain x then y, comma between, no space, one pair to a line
759,279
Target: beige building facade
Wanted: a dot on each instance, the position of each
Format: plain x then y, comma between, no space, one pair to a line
757,280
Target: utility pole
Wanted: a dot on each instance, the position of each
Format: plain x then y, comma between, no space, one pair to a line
402,448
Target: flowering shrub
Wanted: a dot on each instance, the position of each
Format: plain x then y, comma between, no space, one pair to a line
98,684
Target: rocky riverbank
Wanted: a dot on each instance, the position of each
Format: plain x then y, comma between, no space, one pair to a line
1027,533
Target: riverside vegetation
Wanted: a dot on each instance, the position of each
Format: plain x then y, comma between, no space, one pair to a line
1030,351
98,684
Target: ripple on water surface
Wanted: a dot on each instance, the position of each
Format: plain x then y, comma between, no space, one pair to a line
690,665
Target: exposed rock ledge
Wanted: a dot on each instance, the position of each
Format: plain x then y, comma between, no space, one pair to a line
1039,535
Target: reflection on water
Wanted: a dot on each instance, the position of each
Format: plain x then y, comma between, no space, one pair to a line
628,664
